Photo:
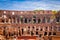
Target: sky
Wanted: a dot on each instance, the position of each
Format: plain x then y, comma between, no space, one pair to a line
29,5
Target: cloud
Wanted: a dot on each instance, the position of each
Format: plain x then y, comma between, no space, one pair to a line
30,5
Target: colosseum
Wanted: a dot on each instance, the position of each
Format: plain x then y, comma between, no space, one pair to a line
29,25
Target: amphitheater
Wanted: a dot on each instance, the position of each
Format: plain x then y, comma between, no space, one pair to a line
29,25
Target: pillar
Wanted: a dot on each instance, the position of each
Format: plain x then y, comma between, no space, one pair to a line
36,20
46,20
12,20
23,20
5,20
41,20
52,28
43,28
34,30
48,28
19,20
9,21
25,31
27,20
32,20
15,19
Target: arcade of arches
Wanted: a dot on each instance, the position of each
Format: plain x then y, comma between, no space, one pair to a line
15,24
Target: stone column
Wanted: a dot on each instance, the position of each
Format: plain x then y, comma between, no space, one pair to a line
46,20
52,28
41,20
9,21
35,30
5,20
30,29
57,28
12,20
27,20
19,20
25,31
16,20
32,20
48,28
43,28
23,20
36,20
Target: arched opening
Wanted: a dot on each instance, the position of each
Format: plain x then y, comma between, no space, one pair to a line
36,32
39,20
32,33
25,20
49,33
34,20
40,35
45,33
54,33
